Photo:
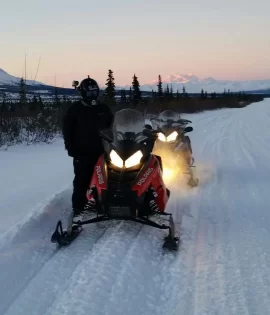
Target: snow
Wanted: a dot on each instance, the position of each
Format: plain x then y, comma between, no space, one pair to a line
223,263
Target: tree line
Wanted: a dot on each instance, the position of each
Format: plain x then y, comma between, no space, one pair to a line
165,97
32,120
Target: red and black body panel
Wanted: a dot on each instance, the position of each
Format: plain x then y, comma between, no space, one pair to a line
128,189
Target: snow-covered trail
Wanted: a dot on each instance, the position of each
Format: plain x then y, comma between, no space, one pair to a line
29,177
222,266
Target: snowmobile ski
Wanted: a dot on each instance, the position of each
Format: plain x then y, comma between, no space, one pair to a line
64,238
171,243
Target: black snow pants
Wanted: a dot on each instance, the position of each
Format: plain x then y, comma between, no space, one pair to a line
83,170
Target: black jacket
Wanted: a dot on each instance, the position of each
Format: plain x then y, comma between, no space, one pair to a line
81,127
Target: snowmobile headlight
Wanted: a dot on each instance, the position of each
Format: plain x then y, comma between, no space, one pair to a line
161,137
116,160
134,159
172,136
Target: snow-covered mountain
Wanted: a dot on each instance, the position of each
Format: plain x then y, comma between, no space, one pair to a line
7,79
194,84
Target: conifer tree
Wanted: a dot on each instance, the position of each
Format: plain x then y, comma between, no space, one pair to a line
56,97
130,95
171,92
202,94
160,90
22,93
136,95
110,88
40,103
184,92
33,106
123,96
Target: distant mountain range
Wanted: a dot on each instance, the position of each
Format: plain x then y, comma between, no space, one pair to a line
193,84
7,79
10,85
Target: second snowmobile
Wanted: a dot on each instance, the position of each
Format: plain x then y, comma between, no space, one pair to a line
173,145
127,183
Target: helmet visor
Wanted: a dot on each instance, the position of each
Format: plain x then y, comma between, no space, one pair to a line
92,93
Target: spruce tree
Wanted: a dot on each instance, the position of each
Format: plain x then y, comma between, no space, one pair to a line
40,103
130,95
160,90
123,96
22,94
202,94
153,94
56,97
171,92
167,93
136,95
4,106
33,106
110,88
184,92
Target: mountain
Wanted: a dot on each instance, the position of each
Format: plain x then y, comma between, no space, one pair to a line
10,87
7,79
194,84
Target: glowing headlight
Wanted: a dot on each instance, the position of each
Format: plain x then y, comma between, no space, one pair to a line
134,159
115,159
131,161
161,137
172,136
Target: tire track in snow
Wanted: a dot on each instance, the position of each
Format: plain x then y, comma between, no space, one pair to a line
209,280
92,281
26,248
52,279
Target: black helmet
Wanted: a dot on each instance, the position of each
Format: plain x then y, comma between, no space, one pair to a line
89,90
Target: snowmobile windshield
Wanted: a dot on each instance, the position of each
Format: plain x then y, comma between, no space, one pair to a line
168,118
169,115
128,125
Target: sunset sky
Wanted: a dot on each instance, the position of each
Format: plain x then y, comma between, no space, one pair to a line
227,39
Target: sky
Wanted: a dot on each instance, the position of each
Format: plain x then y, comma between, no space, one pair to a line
224,39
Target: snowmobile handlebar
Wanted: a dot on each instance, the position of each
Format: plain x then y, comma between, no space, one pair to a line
180,121
148,132
105,137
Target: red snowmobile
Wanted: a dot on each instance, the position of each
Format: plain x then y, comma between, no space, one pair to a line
127,183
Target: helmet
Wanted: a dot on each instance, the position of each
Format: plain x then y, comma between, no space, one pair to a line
89,90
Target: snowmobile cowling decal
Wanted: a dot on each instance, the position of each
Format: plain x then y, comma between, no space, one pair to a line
145,176
99,178
99,175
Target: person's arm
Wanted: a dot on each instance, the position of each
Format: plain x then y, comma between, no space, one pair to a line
68,127
105,117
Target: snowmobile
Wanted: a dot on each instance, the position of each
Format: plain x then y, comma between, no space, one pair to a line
127,182
173,145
